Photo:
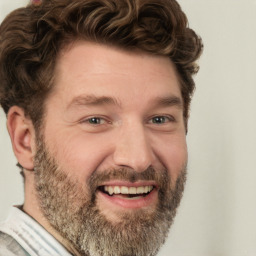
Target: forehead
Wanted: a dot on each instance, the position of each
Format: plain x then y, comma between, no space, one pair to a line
91,68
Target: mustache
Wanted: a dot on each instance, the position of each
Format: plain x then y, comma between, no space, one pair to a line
160,177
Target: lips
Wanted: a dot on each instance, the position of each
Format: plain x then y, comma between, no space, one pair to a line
128,195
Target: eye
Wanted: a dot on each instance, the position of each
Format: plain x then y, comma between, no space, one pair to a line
95,120
95,124
161,119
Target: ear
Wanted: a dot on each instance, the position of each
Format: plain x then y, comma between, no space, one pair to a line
22,135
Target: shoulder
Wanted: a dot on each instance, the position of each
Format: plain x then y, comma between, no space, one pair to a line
10,247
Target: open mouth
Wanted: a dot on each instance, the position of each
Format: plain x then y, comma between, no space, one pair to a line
126,192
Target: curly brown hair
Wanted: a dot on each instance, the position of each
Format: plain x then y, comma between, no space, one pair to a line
32,37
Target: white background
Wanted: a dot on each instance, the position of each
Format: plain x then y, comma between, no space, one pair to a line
218,211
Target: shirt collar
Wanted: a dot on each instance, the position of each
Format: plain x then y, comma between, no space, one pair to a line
31,235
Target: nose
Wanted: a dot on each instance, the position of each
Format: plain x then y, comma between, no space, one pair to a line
133,149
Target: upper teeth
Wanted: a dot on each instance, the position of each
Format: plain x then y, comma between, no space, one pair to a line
127,190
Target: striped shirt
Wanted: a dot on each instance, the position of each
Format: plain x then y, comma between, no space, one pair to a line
21,235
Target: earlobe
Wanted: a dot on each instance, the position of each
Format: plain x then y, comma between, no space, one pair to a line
22,133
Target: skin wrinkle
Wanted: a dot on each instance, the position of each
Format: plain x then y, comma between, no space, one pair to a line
63,22
93,100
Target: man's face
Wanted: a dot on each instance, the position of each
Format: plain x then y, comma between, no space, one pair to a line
112,154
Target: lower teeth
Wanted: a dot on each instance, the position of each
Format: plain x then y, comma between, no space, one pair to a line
129,195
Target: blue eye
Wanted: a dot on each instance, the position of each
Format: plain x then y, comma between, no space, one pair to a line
95,120
95,124
160,119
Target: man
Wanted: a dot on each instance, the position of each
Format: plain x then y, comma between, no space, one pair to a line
97,97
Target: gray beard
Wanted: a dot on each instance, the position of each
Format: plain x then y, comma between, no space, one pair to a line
71,208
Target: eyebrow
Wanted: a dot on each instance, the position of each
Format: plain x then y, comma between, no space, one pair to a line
168,101
92,100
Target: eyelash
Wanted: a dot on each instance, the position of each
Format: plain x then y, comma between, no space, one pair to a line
88,120
166,118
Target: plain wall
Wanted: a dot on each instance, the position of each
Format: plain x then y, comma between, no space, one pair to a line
217,214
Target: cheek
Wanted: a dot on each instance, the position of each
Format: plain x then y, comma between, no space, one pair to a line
172,151
79,154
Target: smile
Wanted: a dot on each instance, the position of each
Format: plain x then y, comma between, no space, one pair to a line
127,191
128,195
